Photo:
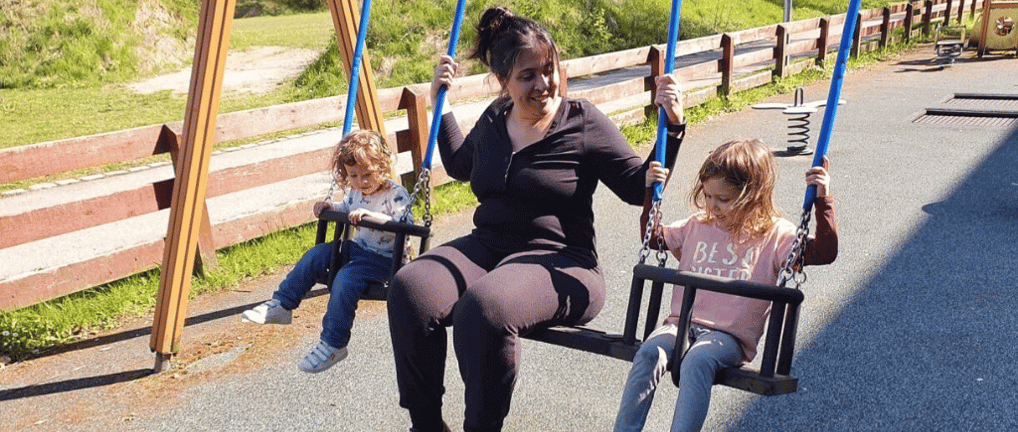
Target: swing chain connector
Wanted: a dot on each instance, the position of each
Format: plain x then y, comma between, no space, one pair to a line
653,221
423,190
792,270
332,188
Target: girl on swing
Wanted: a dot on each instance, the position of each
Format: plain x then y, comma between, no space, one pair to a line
736,232
363,163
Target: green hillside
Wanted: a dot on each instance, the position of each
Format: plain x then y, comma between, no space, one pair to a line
59,43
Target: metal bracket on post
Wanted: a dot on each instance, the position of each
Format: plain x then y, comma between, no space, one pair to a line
162,364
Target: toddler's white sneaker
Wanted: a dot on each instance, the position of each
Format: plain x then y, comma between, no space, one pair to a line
270,312
321,357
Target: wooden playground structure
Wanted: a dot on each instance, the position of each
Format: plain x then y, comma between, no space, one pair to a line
188,199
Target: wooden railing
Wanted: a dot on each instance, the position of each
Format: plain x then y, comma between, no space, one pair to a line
725,63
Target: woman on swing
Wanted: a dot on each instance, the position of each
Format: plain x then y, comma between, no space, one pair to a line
533,160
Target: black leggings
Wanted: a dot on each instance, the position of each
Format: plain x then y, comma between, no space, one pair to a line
491,297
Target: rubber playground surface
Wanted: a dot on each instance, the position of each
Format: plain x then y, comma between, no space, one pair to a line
912,329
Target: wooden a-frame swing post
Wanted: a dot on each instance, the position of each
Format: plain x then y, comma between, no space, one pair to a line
345,17
188,201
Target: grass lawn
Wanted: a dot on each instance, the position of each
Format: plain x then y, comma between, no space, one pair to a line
313,30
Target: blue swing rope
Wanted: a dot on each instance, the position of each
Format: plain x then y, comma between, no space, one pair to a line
834,95
788,270
355,67
423,186
662,142
662,116
440,97
351,93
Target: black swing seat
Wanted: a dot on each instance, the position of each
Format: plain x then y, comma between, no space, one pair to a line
773,378
344,231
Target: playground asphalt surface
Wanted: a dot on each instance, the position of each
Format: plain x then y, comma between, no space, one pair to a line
912,329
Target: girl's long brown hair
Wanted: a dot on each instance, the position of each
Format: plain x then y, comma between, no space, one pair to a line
749,167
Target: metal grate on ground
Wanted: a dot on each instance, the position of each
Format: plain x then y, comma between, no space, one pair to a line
983,101
955,120
974,109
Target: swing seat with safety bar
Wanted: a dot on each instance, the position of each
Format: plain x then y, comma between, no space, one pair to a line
343,231
773,378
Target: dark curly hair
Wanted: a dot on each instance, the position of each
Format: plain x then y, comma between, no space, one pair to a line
502,36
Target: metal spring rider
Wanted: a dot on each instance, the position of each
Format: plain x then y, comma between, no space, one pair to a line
798,113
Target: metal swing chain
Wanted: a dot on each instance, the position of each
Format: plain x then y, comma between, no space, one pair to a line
332,188
653,220
423,190
792,270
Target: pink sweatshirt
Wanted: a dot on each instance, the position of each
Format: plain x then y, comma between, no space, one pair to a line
707,249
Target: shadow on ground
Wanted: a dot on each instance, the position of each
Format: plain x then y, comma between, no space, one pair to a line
929,343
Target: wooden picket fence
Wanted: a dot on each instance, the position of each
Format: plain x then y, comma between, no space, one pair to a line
729,64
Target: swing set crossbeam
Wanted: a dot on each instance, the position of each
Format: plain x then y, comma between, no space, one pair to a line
773,377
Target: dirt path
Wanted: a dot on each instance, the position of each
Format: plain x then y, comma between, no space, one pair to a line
257,70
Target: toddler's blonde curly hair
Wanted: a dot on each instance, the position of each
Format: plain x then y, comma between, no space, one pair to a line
365,148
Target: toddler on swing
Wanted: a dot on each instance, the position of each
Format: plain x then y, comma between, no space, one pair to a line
737,232
363,164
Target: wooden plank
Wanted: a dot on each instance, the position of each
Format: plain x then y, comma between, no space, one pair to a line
752,80
698,97
119,264
73,216
694,46
799,66
727,65
780,54
189,188
606,62
800,47
753,58
885,27
611,92
823,42
416,137
700,70
803,26
37,160
754,34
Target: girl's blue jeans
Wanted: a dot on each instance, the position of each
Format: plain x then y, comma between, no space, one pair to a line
361,268
711,351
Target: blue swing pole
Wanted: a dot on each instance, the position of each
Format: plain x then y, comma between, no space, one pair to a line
833,96
439,101
662,116
355,67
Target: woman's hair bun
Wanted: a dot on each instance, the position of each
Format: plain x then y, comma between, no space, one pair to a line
494,20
